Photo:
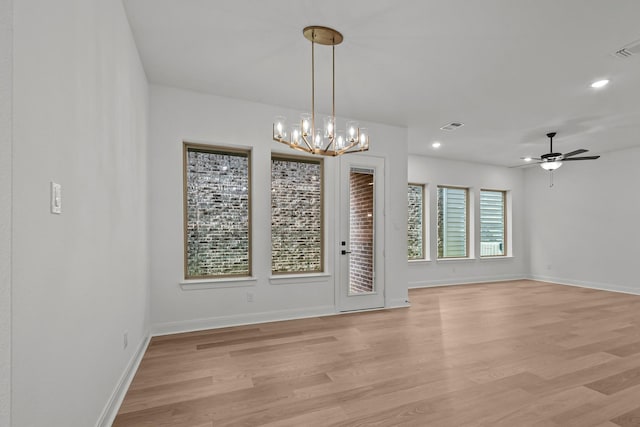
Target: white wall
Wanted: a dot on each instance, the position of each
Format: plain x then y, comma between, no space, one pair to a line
584,230
6,63
80,279
434,172
178,116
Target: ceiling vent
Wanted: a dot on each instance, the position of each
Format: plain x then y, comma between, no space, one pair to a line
452,126
629,50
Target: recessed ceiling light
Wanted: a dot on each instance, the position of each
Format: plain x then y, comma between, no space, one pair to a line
436,145
599,84
527,159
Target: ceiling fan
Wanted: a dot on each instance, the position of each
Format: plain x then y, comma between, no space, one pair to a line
552,161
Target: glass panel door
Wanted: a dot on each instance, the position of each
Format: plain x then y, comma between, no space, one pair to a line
361,232
361,251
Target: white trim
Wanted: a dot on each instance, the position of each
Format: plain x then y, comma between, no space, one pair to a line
495,257
456,259
398,303
167,328
287,279
466,281
227,282
419,261
113,405
585,284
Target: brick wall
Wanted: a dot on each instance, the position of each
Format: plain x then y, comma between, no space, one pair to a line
296,216
217,214
361,232
415,222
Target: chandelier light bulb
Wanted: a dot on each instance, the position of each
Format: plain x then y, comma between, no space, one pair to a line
352,132
305,122
328,127
279,128
340,141
364,138
295,135
317,140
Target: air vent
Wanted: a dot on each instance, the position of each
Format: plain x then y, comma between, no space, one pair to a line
452,126
629,50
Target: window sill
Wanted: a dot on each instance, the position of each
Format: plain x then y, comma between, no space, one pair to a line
226,282
457,259
285,279
496,258
419,261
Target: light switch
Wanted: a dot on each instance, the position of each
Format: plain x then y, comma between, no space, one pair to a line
56,198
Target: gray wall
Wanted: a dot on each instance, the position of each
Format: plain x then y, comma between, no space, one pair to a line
6,62
180,115
475,176
584,231
80,279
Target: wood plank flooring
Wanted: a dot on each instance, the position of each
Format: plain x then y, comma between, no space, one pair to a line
519,353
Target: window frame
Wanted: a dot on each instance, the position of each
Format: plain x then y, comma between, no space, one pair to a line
425,223
504,222
302,159
466,222
216,149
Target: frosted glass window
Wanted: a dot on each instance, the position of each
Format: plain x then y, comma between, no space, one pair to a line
217,212
296,215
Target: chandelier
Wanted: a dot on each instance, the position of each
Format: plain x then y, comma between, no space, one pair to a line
313,137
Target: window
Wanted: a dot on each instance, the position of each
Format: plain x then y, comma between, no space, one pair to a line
452,222
296,215
492,223
216,212
415,222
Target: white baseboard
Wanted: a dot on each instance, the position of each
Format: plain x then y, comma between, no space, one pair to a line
465,281
586,284
113,405
399,303
240,319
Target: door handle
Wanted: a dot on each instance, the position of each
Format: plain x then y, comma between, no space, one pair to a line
345,252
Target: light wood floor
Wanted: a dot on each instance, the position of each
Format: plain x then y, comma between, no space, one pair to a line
510,354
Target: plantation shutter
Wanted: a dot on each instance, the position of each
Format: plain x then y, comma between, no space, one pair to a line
492,223
454,222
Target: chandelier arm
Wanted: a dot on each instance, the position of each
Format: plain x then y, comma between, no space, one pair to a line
304,138
331,141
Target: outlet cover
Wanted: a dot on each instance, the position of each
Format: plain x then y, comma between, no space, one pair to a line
56,198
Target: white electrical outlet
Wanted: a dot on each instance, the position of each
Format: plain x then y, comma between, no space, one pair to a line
56,198
249,296
126,339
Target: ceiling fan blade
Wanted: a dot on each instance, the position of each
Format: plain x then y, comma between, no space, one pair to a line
575,153
582,158
525,165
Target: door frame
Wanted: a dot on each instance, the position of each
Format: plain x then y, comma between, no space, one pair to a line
376,300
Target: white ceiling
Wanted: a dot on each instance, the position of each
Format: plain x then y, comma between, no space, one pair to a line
511,70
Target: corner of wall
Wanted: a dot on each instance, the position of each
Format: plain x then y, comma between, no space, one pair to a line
117,397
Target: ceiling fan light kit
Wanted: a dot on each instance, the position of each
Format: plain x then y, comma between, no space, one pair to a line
550,166
552,161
